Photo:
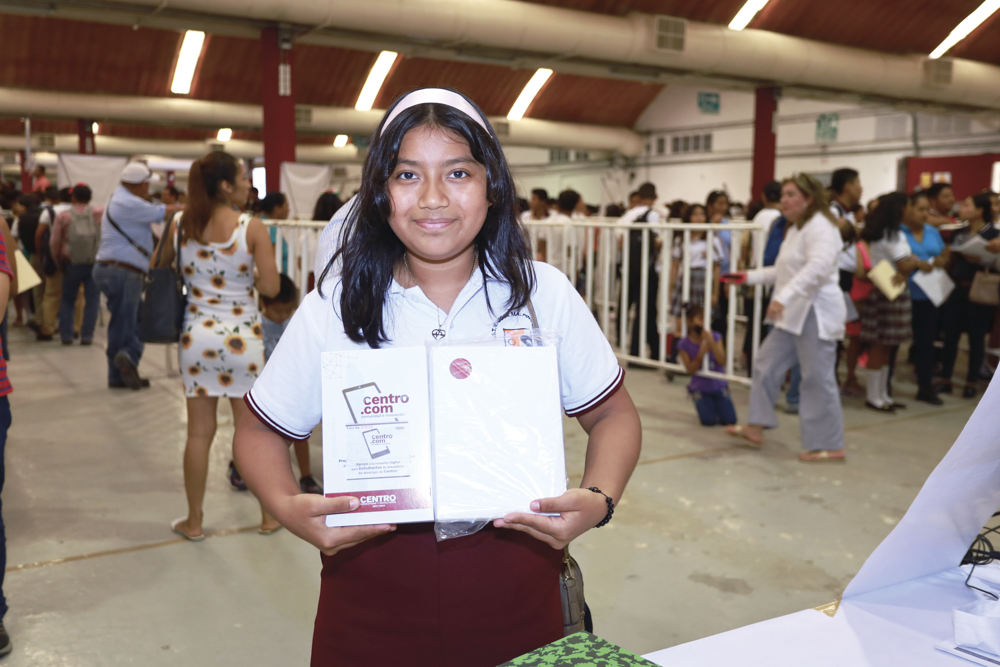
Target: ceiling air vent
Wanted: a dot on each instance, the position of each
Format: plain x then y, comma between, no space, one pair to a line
501,128
669,33
340,172
937,72
303,115
47,141
217,148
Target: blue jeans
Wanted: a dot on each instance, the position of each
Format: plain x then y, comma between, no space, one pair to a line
4,427
714,407
123,288
792,395
73,276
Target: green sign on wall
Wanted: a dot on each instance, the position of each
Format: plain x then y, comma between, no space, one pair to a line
708,102
826,127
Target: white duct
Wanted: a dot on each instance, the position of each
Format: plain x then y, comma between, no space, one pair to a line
752,56
331,120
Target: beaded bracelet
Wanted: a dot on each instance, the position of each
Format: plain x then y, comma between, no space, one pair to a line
611,506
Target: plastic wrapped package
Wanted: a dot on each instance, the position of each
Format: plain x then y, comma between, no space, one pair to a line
496,429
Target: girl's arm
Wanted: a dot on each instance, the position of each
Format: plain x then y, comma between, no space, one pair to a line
612,451
717,347
692,366
262,458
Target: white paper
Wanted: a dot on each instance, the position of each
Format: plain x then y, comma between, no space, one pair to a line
937,285
376,435
977,626
497,425
975,246
976,656
27,277
882,275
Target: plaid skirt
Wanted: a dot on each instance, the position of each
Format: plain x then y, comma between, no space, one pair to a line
696,297
885,322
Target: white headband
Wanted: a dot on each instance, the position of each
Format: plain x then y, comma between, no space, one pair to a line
435,96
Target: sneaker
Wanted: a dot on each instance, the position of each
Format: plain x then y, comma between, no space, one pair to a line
309,485
128,370
5,645
234,478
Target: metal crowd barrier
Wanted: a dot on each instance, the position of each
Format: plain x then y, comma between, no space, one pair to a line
592,256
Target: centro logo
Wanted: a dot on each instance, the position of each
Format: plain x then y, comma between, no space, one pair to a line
377,500
383,405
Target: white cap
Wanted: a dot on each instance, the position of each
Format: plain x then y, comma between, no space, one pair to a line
136,173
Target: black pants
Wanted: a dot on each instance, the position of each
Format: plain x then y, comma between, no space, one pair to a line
925,322
652,335
960,314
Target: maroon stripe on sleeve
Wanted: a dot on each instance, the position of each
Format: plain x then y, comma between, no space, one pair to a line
270,423
604,395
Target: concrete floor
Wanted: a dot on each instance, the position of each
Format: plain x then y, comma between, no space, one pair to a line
709,537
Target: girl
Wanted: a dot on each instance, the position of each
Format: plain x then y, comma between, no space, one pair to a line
222,347
434,245
808,312
710,396
698,266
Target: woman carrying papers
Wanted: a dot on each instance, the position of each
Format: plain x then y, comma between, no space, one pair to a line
961,314
808,312
885,322
434,249
931,253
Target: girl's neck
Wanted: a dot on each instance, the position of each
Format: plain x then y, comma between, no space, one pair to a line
976,225
915,227
440,281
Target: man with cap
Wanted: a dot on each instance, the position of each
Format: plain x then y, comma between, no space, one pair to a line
122,263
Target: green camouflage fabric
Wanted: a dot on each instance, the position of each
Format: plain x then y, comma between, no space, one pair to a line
580,650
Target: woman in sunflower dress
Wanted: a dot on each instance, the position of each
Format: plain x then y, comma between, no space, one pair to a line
222,343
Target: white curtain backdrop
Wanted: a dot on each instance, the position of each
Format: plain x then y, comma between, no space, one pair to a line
303,184
101,172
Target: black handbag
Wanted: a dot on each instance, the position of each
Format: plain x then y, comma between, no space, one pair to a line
164,300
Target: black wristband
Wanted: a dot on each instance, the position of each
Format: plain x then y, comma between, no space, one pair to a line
611,506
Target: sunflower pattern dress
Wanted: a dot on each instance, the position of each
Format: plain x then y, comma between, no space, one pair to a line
222,343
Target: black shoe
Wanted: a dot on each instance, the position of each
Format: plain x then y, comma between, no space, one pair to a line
969,392
309,485
44,339
928,395
944,388
5,645
76,335
67,342
34,326
898,405
128,370
87,341
143,384
888,408
234,478
639,367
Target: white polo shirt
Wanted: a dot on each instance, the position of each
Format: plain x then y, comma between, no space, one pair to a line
287,395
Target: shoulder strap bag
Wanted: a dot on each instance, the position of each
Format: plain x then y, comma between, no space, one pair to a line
164,300
574,606
985,288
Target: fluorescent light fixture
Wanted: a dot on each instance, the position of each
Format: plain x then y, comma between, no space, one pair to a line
746,14
340,141
95,128
225,134
376,78
527,95
962,30
187,60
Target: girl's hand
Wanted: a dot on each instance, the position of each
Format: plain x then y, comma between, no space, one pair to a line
898,279
775,311
926,267
304,515
579,511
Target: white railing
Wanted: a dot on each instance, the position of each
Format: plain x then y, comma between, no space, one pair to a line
602,258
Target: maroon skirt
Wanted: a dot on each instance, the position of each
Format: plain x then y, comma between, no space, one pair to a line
406,599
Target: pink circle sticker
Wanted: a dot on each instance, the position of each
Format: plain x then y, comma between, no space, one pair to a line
460,368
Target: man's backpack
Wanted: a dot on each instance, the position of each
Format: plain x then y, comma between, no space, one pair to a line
83,237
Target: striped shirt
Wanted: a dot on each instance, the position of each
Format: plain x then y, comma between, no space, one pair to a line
5,387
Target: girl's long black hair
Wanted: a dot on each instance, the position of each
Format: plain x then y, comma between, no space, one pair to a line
886,218
371,250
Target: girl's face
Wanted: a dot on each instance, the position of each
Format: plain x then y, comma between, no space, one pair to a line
968,211
916,214
240,191
698,215
721,206
793,202
438,195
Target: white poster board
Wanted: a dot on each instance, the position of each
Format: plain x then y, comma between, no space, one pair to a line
102,173
303,184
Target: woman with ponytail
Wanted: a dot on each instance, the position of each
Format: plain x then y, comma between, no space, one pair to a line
222,345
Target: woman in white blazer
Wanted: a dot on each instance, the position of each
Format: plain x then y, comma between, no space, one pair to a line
808,312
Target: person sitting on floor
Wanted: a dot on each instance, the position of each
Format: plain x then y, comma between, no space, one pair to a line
711,396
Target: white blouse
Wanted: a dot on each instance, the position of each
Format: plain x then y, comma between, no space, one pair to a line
805,277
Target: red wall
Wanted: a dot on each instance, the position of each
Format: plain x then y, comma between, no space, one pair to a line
970,174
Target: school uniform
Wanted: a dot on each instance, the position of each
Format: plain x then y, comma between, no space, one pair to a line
805,279
887,322
404,598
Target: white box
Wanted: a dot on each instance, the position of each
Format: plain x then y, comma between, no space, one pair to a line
497,429
376,435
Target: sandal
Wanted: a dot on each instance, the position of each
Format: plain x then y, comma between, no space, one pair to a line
190,538
740,432
823,456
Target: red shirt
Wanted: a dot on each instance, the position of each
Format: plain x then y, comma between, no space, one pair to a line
5,387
